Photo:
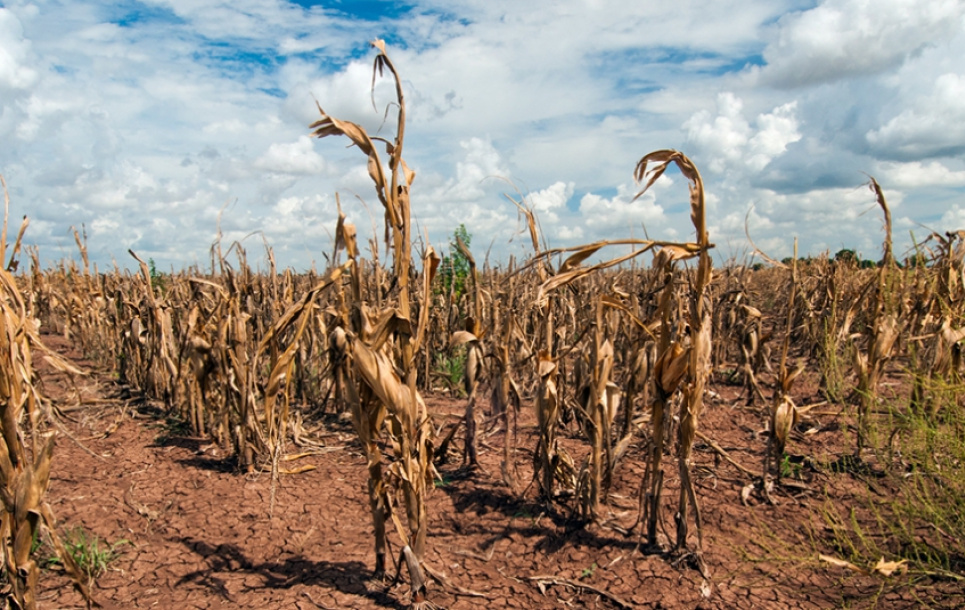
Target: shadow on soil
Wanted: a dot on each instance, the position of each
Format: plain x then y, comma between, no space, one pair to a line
349,577
524,516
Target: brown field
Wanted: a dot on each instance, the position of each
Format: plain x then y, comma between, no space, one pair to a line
201,537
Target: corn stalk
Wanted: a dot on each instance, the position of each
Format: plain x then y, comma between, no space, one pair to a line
472,338
939,322
783,412
26,452
670,366
882,330
379,347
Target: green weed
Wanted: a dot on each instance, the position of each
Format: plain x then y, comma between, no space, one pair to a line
915,509
790,469
833,369
451,368
91,554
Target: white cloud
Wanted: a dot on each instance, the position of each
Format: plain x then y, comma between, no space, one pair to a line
482,162
775,131
14,50
722,137
348,96
844,38
146,125
621,213
831,219
917,174
954,218
40,112
298,157
729,141
549,201
935,124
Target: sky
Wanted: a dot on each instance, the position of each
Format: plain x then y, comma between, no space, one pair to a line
151,125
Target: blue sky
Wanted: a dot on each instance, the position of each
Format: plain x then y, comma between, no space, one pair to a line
140,121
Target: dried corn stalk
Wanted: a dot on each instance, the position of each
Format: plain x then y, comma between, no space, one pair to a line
25,451
882,330
671,369
753,358
783,413
378,349
472,338
600,400
938,324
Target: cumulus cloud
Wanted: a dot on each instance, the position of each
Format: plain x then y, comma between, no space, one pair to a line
548,202
728,140
723,137
823,220
933,126
15,73
916,174
481,162
845,38
298,157
621,212
954,218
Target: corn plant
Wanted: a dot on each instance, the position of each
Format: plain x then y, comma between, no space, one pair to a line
687,365
377,348
783,412
882,329
472,338
26,451
938,324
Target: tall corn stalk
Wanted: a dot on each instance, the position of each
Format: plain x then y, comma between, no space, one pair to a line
600,397
26,452
281,363
599,405
472,338
783,412
670,365
378,349
939,322
506,398
550,461
882,330
668,371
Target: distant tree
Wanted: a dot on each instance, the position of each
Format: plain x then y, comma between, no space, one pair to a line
454,268
846,256
157,278
917,260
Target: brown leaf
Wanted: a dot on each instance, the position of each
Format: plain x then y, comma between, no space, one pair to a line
461,337
298,470
841,563
671,367
547,366
578,257
887,568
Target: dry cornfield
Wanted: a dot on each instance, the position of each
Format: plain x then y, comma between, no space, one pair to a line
587,375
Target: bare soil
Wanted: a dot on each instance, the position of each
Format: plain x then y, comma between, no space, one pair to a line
200,533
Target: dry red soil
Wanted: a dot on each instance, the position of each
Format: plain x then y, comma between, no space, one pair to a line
200,533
